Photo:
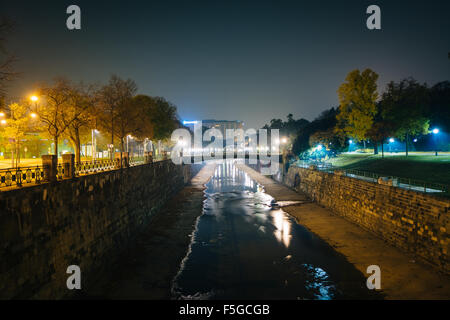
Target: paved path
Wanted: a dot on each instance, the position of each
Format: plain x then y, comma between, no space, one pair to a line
402,277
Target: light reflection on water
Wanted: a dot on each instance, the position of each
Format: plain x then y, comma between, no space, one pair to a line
283,227
243,248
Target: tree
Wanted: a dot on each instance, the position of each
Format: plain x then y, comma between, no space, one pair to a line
328,138
18,123
323,124
54,109
147,109
289,128
440,105
357,98
114,99
158,117
165,119
406,105
79,115
379,132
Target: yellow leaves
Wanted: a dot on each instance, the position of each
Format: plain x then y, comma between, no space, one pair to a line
357,98
17,124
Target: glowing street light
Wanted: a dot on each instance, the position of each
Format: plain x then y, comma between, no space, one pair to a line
33,115
3,121
350,141
415,140
319,147
391,140
34,98
284,140
2,114
128,138
435,132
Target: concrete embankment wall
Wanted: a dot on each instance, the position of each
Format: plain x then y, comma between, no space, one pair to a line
83,221
416,222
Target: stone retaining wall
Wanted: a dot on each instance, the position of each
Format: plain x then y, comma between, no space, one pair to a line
83,221
416,222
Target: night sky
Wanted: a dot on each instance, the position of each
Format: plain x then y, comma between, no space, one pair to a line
231,60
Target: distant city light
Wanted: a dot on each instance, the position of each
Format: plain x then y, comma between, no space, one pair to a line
391,140
435,130
189,122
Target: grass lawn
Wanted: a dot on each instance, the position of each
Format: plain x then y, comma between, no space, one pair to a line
425,167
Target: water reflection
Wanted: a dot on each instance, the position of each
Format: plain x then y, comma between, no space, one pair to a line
283,227
243,248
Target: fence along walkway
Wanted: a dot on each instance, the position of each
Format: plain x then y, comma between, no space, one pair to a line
12,178
404,183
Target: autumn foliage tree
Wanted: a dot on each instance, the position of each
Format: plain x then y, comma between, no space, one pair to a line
18,124
54,110
357,97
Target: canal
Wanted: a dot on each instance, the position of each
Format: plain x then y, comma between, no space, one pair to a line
246,247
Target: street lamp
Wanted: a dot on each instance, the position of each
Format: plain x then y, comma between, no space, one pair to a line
93,147
35,100
435,132
391,140
128,137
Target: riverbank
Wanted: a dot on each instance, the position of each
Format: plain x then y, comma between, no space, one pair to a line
402,277
146,269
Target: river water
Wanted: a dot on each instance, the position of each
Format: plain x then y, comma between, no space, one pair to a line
243,248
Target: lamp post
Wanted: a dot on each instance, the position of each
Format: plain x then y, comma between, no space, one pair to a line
93,143
435,132
35,100
391,140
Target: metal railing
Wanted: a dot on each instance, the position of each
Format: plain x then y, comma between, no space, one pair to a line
399,182
89,167
20,176
307,163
